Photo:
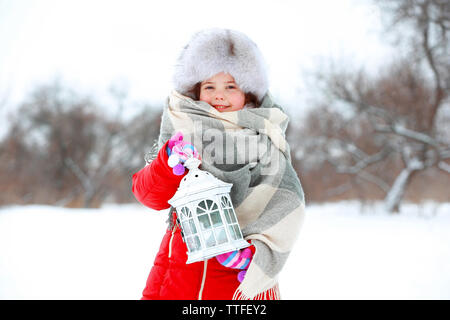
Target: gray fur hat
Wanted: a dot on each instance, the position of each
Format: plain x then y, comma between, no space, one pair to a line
212,51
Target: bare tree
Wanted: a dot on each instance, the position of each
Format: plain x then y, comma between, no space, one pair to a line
396,122
62,149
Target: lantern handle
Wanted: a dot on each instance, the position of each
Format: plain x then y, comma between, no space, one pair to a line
192,163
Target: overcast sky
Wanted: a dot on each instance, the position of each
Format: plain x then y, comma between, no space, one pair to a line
91,44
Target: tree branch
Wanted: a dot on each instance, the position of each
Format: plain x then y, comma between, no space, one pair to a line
444,166
407,133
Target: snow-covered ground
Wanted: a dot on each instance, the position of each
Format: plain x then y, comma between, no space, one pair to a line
56,253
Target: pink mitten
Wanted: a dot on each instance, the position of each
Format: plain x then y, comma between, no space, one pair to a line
239,259
176,138
179,151
241,275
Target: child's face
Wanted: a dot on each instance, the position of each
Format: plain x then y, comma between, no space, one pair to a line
221,92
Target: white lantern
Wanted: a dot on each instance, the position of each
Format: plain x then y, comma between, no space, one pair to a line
206,215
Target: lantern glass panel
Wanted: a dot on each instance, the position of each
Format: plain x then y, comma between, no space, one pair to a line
193,243
202,205
232,215
204,221
186,228
211,205
192,225
206,205
209,239
227,215
186,212
232,232
216,219
225,202
200,210
221,236
237,231
187,222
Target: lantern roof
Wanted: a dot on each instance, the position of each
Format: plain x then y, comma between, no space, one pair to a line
197,184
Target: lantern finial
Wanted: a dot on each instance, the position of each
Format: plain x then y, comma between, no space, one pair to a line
192,163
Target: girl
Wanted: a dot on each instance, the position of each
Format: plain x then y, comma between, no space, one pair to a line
222,106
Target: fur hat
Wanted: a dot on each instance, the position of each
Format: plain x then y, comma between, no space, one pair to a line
212,51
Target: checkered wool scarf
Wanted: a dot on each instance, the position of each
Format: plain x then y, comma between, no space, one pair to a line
247,148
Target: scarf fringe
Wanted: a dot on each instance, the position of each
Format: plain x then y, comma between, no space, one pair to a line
271,294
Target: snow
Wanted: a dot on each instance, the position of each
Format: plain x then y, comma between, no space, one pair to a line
345,251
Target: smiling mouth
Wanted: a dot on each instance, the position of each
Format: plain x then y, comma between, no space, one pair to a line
220,106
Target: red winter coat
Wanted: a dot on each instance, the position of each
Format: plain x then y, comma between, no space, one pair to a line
170,277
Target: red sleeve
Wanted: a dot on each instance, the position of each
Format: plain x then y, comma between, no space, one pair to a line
155,184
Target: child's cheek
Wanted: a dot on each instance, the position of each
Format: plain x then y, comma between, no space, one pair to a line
204,97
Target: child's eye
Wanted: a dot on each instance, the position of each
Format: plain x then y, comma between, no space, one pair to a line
231,87
208,87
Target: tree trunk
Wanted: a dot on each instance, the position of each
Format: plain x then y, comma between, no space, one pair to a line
395,195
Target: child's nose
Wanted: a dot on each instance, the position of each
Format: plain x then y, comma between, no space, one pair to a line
219,96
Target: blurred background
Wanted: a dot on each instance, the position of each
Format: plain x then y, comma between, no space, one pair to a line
366,84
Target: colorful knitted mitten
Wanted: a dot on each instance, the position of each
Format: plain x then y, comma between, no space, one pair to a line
179,151
239,259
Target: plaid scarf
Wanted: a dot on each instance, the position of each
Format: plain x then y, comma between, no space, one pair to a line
247,148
